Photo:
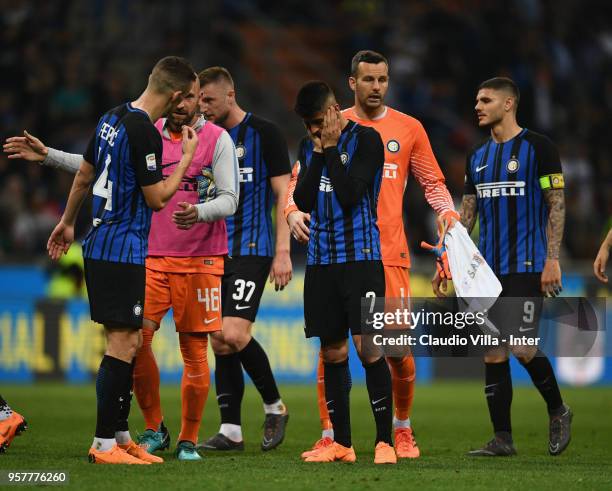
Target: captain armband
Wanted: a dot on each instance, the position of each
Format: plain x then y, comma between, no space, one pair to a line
552,181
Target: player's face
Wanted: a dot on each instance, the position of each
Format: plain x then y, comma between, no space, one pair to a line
214,102
314,124
186,110
490,106
370,84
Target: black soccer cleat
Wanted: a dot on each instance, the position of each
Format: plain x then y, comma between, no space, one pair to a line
274,430
220,442
497,447
559,431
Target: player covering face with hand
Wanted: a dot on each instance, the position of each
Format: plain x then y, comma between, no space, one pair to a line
340,165
407,151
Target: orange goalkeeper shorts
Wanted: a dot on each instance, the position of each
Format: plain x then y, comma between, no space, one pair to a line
195,296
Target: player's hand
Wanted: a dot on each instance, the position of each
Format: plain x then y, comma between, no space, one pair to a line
298,227
601,261
447,220
26,147
280,272
330,134
439,285
185,216
190,140
60,240
551,278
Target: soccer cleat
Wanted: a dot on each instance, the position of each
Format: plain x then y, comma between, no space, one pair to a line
11,427
140,453
320,443
220,442
384,454
152,441
186,450
559,431
274,430
331,453
115,455
497,447
405,445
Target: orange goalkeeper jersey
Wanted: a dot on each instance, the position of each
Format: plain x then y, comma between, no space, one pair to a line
407,149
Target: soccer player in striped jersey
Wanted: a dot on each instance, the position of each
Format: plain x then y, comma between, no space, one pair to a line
12,424
263,158
339,176
123,162
407,150
514,184
184,264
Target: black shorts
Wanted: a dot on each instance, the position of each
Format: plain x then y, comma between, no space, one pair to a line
518,310
332,297
243,284
116,292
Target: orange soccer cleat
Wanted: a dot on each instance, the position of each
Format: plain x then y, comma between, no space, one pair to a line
11,427
384,454
332,452
115,455
140,453
405,445
320,443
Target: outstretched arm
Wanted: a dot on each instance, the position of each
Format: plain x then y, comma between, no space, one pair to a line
30,148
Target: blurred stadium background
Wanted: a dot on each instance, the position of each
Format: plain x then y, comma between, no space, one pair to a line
66,62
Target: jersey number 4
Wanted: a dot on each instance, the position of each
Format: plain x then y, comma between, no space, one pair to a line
103,187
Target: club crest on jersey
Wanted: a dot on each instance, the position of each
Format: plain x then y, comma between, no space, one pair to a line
393,146
513,165
344,158
240,151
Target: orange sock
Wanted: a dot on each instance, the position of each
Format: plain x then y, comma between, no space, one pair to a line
323,414
403,377
195,383
146,382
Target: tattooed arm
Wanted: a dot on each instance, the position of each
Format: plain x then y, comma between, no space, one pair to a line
468,212
555,200
551,275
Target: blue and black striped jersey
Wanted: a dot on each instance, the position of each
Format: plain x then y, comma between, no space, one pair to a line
126,151
341,232
262,154
508,180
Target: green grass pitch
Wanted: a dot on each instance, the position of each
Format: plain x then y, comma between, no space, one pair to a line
449,419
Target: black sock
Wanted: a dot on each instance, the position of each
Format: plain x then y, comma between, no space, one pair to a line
229,384
125,400
541,372
498,391
111,380
256,364
337,390
378,381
